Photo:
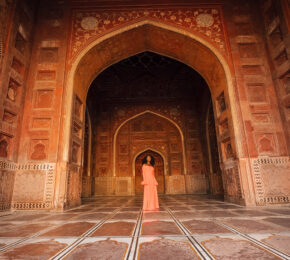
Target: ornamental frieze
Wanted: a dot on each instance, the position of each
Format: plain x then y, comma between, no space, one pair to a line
204,22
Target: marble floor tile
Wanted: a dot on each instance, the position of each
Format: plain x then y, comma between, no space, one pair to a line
185,227
119,228
156,228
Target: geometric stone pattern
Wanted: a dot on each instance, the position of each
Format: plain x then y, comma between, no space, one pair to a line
278,189
116,228
44,171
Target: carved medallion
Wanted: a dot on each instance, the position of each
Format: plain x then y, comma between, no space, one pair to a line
89,23
205,20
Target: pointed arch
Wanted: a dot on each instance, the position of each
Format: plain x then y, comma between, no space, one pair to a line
215,55
137,115
153,150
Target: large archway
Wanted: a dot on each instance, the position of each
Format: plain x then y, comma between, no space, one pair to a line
182,46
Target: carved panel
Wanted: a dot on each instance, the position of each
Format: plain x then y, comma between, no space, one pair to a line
75,153
252,69
221,103
43,99
176,168
271,177
256,93
261,118
77,130
46,75
18,66
175,184
231,181
5,145
266,143
48,55
124,186
13,93
23,183
6,189
78,108
20,43
41,123
9,117
248,50
38,150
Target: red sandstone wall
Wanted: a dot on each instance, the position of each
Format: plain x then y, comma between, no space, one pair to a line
147,131
42,109
247,174
16,36
263,130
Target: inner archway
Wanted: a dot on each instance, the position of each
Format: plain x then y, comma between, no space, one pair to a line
147,102
159,172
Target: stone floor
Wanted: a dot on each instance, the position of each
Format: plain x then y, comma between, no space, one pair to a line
185,227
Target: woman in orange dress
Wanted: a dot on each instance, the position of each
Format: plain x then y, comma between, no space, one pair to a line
150,199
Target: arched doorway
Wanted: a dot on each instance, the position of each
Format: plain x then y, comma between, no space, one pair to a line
159,172
196,53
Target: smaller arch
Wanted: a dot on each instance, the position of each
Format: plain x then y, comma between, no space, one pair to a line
157,114
153,150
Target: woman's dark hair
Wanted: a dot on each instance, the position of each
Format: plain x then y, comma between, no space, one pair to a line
144,161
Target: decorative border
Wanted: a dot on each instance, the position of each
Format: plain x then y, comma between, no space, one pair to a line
5,206
207,22
7,165
48,189
259,187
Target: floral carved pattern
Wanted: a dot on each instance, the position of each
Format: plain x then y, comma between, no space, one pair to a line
89,25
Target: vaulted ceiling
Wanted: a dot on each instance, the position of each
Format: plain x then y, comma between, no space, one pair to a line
147,77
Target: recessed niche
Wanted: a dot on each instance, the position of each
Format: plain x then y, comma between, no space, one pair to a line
9,117
224,126
5,143
221,103
38,149
227,149
75,153
48,55
282,57
78,108
256,94
248,50
20,43
18,66
13,93
266,143
276,37
286,82
77,130
43,99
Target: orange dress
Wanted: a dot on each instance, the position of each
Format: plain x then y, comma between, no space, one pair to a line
150,199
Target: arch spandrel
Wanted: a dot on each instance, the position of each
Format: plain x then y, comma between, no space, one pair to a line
155,39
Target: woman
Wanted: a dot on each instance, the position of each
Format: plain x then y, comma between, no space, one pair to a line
150,199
